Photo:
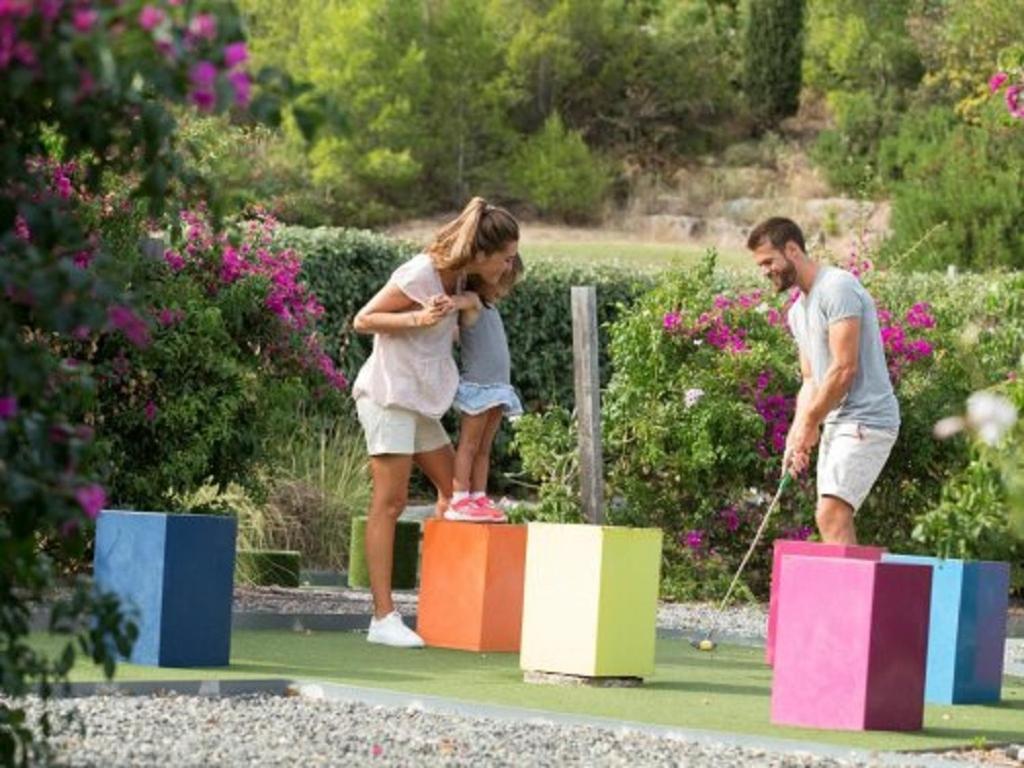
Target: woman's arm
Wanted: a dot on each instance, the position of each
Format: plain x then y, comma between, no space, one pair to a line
392,310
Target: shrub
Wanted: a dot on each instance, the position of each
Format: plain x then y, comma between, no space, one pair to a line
556,171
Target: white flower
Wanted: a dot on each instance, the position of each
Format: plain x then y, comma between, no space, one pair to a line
693,396
990,415
698,342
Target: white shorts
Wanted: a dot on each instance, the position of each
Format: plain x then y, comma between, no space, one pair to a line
390,429
850,459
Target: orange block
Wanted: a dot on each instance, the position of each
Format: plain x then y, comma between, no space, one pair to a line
471,585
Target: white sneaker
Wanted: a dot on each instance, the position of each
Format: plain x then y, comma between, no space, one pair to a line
391,630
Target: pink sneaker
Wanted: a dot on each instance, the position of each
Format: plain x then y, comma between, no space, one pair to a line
487,503
469,511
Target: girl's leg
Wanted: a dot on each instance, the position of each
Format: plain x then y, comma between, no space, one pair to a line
438,465
390,491
482,460
471,432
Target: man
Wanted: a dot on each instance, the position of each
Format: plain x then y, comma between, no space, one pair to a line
846,388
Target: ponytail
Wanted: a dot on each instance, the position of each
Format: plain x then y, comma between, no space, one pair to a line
480,227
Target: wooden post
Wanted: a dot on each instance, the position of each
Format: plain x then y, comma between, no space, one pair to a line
588,400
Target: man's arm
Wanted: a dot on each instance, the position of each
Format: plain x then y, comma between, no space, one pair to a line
815,402
808,389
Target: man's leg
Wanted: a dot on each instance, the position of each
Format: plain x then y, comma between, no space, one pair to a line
835,521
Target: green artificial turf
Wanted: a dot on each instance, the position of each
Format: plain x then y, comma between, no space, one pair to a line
727,690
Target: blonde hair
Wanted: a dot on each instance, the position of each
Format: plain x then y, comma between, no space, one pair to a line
481,227
492,292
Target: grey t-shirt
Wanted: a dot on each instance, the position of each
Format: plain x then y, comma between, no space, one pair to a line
837,295
484,353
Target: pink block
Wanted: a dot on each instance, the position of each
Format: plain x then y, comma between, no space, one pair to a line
785,547
852,644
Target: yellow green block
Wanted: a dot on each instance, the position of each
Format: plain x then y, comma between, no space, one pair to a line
590,600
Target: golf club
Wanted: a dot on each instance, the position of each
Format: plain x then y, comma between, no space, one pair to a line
706,643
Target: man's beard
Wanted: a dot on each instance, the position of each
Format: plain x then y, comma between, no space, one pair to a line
786,279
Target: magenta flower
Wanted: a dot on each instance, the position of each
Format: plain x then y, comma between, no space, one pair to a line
242,86
722,302
232,265
731,518
8,407
150,17
203,27
919,316
168,317
92,499
150,410
671,321
996,81
203,77
83,259
21,230
235,54
131,325
694,539
174,260
83,19
1013,100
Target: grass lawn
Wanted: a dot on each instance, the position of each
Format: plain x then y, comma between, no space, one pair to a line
642,257
728,690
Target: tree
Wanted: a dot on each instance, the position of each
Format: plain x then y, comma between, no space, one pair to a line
774,59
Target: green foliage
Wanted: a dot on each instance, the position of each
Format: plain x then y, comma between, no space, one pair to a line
267,567
547,443
981,224
556,171
773,57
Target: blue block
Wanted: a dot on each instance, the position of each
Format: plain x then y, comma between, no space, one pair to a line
175,574
967,635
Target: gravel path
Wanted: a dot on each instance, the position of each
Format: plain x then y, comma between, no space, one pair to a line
272,731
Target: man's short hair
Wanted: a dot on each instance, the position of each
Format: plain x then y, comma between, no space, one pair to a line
778,231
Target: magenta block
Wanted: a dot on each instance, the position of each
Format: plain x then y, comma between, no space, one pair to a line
785,547
852,644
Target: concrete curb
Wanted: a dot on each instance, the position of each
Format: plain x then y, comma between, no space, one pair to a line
272,686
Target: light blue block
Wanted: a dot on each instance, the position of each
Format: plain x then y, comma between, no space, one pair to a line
174,574
967,635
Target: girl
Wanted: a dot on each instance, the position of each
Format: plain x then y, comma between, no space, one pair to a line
484,394
410,379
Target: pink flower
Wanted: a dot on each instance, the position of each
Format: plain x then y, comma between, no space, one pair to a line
174,260
232,265
21,230
242,87
730,518
168,317
1013,100
8,407
131,325
919,316
722,302
150,410
235,54
996,81
203,27
150,17
83,259
83,19
203,77
671,321
694,539
92,499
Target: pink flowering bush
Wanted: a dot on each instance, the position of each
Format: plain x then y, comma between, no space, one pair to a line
232,348
86,89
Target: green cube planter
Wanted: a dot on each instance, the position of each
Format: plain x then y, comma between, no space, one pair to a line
268,567
405,567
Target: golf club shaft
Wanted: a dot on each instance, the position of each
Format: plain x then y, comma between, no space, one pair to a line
753,545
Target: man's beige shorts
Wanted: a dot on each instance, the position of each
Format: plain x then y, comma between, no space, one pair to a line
390,429
850,459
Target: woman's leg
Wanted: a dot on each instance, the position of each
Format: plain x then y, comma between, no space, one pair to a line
390,491
482,460
438,465
471,432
